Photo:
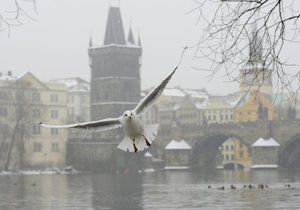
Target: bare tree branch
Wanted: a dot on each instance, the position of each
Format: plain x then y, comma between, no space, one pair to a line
264,26
15,12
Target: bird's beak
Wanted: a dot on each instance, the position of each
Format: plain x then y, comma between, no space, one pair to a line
130,118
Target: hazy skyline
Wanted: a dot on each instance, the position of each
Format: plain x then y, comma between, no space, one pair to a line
55,46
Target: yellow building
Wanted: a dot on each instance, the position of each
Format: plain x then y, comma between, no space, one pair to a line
235,155
255,106
252,107
30,102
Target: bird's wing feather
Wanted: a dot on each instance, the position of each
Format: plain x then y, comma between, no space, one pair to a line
100,125
150,99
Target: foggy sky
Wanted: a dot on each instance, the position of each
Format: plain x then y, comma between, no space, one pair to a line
55,46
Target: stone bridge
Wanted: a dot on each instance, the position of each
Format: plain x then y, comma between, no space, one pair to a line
206,140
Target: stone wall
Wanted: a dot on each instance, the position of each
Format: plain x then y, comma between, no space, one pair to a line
177,157
265,155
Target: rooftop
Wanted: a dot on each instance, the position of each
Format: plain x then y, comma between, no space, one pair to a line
74,84
178,145
261,142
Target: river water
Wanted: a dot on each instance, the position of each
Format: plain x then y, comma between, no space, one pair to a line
156,190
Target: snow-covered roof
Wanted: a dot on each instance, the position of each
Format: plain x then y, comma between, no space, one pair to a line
148,154
6,77
264,166
179,92
196,93
177,145
265,143
114,45
74,84
201,105
170,107
256,65
173,92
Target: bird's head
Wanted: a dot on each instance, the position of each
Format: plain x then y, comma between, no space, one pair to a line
128,115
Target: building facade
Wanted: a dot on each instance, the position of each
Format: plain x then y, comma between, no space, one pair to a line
78,99
27,102
255,106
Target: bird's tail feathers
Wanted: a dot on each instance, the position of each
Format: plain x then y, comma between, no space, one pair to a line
150,132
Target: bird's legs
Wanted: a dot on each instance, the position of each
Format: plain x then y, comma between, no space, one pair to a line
135,148
147,142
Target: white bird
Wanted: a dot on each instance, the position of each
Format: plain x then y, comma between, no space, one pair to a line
138,136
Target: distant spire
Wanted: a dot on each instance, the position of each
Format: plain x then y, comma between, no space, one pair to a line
114,33
130,38
139,41
91,41
256,48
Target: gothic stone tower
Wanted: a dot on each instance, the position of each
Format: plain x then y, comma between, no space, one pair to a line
115,70
254,76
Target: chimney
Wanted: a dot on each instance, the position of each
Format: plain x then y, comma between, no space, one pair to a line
9,73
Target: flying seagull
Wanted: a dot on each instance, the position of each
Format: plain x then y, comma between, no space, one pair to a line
138,136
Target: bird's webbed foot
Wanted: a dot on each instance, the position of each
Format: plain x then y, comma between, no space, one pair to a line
135,148
147,142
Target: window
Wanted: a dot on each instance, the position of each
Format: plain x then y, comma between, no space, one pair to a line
3,111
36,96
54,114
4,128
36,113
3,95
54,98
82,98
227,157
232,157
37,147
54,131
36,129
241,154
55,147
231,147
227,148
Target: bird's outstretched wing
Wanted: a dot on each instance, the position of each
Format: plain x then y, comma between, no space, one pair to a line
99,125
150,99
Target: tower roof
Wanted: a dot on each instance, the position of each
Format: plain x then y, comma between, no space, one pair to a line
91,42
255,47
114,33
139,41
130,38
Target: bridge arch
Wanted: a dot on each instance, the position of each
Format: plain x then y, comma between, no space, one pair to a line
205,149
233,166
289,153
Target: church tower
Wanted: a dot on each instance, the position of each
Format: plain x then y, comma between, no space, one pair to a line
255,76
115,70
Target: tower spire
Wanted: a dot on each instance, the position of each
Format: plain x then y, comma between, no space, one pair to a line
255,49
139,41
130,38
114,33
139,38
91,41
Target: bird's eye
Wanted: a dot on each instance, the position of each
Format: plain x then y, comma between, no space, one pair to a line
126,115
131,114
